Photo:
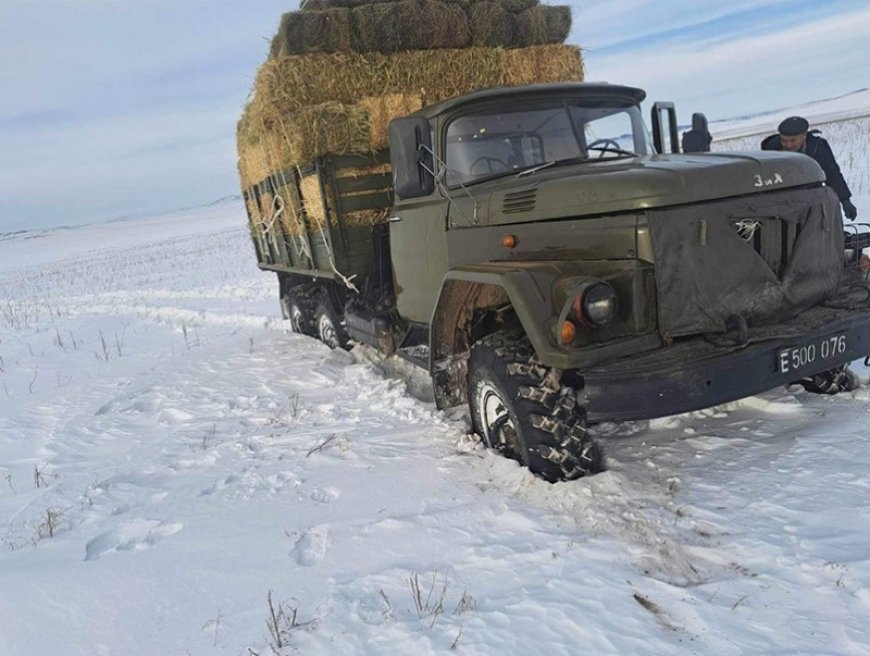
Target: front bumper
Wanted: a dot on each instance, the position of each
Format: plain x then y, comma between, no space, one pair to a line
695,374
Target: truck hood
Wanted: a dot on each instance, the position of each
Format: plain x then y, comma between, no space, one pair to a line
639,183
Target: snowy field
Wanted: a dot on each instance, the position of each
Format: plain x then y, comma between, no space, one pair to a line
848,140
843,121
172,458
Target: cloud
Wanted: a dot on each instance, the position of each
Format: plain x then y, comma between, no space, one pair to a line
115,108
118,108
728,76
641,24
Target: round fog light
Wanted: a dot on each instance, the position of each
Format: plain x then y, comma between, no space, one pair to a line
599,304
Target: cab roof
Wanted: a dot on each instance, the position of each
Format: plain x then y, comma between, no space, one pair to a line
597,89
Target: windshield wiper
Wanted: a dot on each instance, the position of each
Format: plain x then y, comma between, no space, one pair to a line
535,168
618,151
577,160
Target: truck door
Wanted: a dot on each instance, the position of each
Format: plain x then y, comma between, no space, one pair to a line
418,248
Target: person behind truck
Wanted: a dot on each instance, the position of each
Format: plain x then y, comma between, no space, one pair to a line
795,136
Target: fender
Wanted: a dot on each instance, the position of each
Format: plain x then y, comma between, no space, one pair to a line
525,286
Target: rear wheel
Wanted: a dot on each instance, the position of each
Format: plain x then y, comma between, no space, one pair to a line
519,408
293,310
329,326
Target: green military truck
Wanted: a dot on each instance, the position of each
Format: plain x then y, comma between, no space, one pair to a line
551,265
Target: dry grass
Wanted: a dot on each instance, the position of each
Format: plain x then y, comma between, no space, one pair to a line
542,64
543,24
410,25
383,109
301,32
367,217
288,84
289,122
312,198
403,25
492,24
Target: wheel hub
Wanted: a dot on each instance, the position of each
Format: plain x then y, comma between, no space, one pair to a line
296,318
499,430
326,330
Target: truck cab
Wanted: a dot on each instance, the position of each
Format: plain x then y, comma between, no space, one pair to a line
551,266
644,284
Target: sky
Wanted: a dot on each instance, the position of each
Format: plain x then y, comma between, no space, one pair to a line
118,108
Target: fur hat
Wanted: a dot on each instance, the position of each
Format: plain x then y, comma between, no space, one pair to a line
793,126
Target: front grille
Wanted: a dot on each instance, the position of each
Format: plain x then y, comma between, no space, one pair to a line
772,238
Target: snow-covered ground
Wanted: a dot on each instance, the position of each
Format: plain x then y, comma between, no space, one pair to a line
842,108
172,458
843,121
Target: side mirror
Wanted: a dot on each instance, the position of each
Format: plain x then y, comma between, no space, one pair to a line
411,157
698,139
659,141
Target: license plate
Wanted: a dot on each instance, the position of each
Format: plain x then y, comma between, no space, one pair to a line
795,358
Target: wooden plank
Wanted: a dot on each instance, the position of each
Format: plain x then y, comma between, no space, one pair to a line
375,201
361,161
365,183
306,272
336,223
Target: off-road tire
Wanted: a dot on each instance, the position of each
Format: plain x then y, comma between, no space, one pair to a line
550,435
294,311
831,382
329,326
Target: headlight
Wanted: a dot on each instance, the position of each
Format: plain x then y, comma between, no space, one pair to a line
595,305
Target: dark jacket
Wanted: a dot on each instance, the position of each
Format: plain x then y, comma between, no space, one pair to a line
819,150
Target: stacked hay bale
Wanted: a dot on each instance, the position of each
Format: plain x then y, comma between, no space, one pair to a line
340,70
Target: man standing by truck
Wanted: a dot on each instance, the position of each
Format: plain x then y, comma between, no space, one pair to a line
795,136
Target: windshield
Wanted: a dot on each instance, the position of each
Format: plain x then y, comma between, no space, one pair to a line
492,143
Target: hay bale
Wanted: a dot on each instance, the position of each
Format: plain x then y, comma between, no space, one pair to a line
435,25
253,163
253,211
330,127
378,28
289,122
302,32
543,25
383,109
289,84
312,200
318,5
286,84
266,209
410,25
492,24
553,63
367,217
290,222
302,135
516,6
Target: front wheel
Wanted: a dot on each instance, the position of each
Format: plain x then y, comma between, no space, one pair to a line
830,382
519,408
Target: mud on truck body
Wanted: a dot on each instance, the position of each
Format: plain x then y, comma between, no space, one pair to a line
550,268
